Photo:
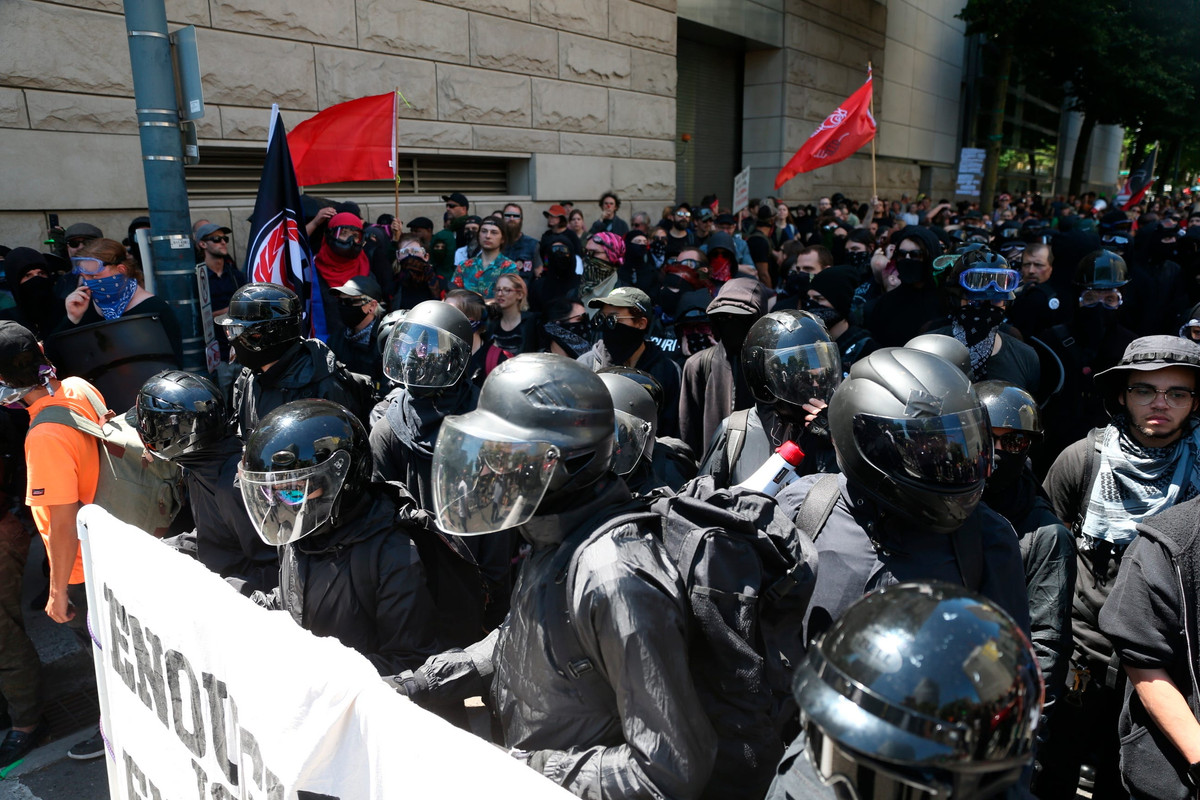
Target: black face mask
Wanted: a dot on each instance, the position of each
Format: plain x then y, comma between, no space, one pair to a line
635,255
622,341
1163,251
860,259
581,329
977,320
1007,470
909,269
257,359
658,249
829,316
731,330
35,297
343,249
795,283
561,264
1094,323
351,316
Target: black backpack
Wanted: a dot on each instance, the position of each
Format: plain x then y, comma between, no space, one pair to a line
749,574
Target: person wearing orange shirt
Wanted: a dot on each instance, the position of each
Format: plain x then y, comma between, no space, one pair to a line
63,467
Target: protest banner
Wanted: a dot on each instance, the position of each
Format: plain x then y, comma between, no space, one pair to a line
205,695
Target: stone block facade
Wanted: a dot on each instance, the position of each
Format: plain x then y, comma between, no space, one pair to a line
526,79
579,95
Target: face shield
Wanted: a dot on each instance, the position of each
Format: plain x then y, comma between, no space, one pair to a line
424,357
289,505
798,374
485,482
632,435
953,451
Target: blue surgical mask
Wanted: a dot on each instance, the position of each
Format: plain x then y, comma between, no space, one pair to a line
112,294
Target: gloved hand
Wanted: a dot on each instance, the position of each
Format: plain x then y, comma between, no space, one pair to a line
410,683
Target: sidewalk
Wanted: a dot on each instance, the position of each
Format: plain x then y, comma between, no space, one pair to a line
71,708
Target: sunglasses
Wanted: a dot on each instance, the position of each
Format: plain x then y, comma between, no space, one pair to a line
78,242
217,239
690,263
1016,442
608,323
512,216
453,205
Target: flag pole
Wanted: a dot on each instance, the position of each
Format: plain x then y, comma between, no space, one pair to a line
874,185
395,158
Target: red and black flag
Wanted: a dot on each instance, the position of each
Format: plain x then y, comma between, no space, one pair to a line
1138,182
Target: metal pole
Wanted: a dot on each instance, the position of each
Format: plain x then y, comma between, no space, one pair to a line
162,163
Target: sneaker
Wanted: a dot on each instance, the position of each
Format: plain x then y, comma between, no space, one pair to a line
18,744
92,747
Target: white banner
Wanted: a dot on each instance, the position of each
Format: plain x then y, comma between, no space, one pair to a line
741,190
205,695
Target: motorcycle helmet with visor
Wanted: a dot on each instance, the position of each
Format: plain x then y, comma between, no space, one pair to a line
263,316
180,413
910,433
788,359
921,691
429,348
544,429
300,461
637,420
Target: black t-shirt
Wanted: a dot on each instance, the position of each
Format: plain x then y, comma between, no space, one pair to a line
677,244
760,249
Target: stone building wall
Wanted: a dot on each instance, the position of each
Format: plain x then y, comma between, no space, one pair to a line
582,89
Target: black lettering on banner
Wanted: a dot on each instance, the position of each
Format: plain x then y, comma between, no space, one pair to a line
118,627
134,773
302,795
149,672
218,695
201,781
193,739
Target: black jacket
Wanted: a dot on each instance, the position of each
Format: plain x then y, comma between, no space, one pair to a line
1048,552
765,432
307,370
631,725
1152,619
363,358
362,582
862,548
226,541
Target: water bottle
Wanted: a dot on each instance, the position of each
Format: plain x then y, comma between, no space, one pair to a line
777,472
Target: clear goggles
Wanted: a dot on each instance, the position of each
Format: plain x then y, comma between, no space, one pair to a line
1109,298
424,357
632,435
289,505
952,451
802,373
86,265
483,483
983,279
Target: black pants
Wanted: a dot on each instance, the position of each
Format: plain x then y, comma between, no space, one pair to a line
1084,732
20,670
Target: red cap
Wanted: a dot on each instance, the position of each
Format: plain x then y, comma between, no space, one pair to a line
791,453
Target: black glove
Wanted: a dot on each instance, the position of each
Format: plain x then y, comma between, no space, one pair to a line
409,683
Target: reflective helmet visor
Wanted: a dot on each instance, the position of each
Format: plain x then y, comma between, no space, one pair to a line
952,451
798,374
289,505
485,482
850,774
632,433
424,357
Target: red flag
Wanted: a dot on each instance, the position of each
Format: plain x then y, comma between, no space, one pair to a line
1139,182
837,138
352,141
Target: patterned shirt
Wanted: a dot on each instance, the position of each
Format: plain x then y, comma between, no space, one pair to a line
472,274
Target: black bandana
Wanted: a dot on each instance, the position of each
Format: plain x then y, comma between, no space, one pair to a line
976,325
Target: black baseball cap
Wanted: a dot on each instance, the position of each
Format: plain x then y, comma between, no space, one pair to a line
421,223
458,198
19,352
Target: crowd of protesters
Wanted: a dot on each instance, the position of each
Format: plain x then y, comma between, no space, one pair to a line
1006,402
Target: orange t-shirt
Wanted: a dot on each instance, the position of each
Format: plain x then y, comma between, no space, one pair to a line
63,464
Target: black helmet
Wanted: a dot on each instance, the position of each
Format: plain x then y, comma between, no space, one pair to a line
543,429
909,432
1102,269
299,461
429,349
263,318
637,421
180,413
945,346
386,325
920,690
647,381
984,275
1010,406
787,359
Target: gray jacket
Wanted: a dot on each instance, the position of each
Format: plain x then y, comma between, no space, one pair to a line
625,724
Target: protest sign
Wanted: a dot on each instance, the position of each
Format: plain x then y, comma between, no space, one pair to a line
203,694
